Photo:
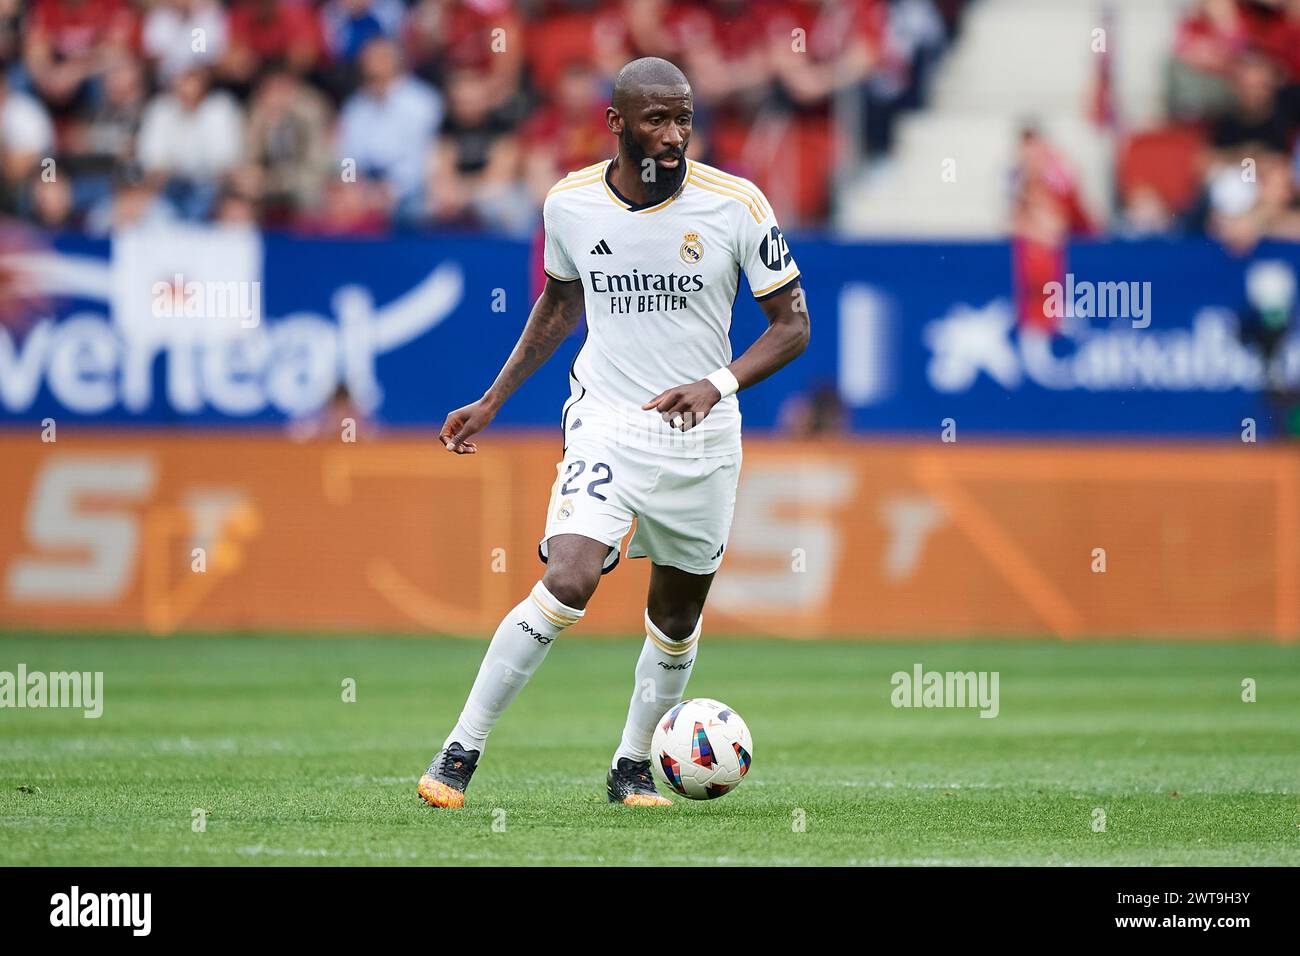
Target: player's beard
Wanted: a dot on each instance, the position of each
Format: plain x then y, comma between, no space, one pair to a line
666,182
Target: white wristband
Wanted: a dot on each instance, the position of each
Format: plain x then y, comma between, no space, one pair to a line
724,381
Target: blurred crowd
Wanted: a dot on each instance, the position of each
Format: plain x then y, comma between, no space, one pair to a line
1227,163
1223,163
363,116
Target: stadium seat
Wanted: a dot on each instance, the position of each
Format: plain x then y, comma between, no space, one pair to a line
1164,159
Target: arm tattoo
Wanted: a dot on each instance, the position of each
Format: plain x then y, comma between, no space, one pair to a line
554,316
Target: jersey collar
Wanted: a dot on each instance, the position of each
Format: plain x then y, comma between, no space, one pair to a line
624,203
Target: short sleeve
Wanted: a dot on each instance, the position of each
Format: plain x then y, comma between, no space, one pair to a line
556,262
764,254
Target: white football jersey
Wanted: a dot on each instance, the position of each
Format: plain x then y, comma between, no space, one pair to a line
660,282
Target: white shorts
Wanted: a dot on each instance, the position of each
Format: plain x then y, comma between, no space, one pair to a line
682,506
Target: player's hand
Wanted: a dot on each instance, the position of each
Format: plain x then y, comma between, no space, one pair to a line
685,406
464,422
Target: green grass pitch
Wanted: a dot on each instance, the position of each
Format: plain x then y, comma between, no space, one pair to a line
254,731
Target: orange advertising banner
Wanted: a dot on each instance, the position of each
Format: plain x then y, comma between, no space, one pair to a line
842,538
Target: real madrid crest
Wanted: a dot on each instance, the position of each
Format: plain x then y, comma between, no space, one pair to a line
692,250
565,509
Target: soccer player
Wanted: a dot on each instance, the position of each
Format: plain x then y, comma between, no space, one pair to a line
652,245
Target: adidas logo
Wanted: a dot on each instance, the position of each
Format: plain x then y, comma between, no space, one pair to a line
602,249
718,553
577,423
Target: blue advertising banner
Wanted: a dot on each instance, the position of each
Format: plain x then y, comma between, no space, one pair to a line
212,327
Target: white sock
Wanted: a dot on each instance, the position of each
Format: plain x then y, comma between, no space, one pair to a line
661,675
520,643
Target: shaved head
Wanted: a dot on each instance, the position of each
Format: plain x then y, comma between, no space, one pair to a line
651,114
648,76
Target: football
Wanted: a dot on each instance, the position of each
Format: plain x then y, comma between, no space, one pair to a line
701,749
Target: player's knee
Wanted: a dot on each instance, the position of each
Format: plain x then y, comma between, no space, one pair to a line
677,625
570,585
